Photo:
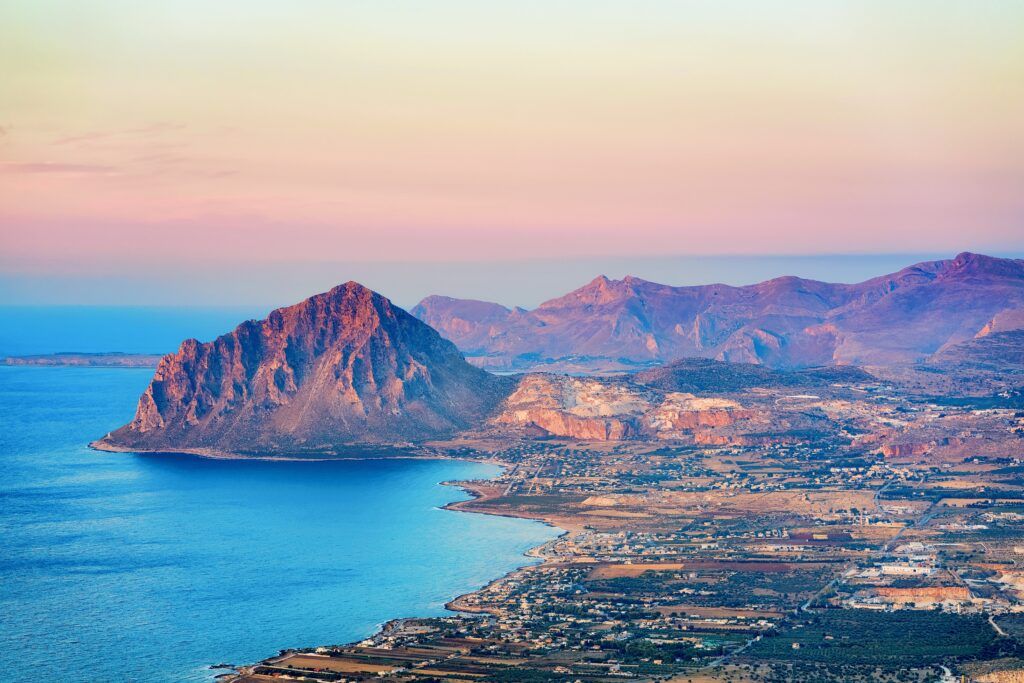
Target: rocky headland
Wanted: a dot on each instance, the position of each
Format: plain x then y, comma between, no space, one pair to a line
340,368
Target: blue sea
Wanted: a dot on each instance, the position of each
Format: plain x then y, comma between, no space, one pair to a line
129,329
123,567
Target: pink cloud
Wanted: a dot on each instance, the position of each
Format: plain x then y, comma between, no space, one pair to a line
51,167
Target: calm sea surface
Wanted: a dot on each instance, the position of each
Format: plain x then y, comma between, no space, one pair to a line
120,567
96,329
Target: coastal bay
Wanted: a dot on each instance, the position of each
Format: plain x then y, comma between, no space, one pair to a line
129,567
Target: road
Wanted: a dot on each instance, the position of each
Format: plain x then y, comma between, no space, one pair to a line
925,517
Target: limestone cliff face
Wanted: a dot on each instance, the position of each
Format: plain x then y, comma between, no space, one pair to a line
557,423
611,409
345,366
907,449
1004,321
680,412
725,422
575,407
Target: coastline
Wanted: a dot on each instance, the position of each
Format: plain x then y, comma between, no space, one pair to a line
406,452
479,493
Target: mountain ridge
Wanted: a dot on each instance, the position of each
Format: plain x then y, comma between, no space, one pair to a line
783,322
345,366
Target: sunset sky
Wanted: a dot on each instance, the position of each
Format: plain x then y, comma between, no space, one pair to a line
265,140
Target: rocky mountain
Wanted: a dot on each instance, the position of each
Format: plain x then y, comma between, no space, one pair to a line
1009,320
1001,352
347,367
689,401
472,322
787,322
342,367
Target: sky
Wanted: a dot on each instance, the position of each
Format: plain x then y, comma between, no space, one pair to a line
242,152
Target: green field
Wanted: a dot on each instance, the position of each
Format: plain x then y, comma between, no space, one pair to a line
860,637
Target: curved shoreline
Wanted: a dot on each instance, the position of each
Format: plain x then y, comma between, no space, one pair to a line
458,604
408,453
478,494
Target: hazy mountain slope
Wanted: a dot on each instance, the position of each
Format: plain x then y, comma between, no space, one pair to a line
784,322
933,308
466,319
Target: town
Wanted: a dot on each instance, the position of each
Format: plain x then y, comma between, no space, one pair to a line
885,545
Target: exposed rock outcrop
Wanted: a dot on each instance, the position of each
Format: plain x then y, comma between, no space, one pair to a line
606,409
573,407
342,367
1004,321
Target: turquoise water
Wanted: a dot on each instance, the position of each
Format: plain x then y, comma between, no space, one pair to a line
121,567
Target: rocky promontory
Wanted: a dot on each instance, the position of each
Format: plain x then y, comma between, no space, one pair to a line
343,367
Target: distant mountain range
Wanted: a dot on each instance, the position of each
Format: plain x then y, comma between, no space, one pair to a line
788,322
110,359
348,367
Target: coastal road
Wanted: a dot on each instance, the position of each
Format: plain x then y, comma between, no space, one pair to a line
879,492
718,661
511,478
536,475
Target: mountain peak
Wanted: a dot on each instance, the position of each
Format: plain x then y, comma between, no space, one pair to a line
970,256
968,263
350,288
600,290
338,301
343,366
